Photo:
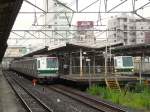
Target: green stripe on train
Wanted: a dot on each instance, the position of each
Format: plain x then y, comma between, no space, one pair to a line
47,71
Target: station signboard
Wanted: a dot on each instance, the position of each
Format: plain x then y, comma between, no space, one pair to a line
85,24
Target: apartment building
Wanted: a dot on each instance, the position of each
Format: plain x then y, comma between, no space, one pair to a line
127,29
58,22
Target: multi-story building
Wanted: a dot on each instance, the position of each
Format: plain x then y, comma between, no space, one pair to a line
15,51
142,36
58,22
83,36
127,29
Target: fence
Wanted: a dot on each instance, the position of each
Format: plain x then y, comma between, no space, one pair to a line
93,69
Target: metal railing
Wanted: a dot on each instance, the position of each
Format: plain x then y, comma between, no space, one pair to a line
94,70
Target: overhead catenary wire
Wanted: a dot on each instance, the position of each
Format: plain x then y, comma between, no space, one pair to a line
99,12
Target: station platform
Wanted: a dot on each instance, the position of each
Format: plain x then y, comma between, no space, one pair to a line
8,100
98,78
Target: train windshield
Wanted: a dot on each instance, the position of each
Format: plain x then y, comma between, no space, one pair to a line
52,63
127,61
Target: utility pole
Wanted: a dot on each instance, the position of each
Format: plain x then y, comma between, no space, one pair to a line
89,66
105,54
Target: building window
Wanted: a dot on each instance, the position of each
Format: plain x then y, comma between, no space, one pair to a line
141,33
133,40
125,27
131,20
114,35
125,40
133,33
125,34
125,19
141,27
131,27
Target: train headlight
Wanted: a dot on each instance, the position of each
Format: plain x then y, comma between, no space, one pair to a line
132,70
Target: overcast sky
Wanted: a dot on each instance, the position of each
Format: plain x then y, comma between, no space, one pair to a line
25,21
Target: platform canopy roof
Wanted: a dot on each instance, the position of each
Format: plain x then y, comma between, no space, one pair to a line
70,47
8,13
37,52
133,50
118,49
66,48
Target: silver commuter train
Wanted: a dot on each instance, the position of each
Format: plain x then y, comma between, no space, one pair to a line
41,68
5,65
124,64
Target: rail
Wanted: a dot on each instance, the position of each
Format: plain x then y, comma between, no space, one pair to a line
31,102
93,102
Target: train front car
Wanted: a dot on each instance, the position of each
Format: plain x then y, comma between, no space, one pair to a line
124,65
47,68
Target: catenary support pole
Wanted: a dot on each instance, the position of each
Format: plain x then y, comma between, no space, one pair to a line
70,70
81,68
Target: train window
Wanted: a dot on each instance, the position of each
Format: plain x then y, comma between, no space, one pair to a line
33,66
52,63
127,61
38,63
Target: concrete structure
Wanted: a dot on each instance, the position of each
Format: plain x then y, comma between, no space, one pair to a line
11,53
142,36
147,37
9,102
15,51
126,29
62,21
85,37
57,22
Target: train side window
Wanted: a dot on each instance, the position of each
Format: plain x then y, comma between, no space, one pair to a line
33,66
115,62
127,61
38,63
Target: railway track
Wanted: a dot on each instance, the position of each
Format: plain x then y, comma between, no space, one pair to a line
31,102
102,106
58,99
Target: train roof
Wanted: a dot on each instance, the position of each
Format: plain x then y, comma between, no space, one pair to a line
31,58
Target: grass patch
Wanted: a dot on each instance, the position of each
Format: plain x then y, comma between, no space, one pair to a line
139,98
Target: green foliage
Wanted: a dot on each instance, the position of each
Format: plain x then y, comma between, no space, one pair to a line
138,99
139,88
